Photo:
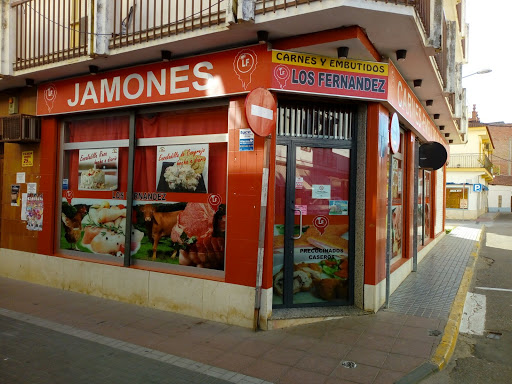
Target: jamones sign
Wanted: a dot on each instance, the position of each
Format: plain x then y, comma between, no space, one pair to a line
211,75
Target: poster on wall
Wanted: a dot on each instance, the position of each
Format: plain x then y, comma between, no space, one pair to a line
95,226
182,168
179,233
97,169
34,211
15,195
321,265
396,233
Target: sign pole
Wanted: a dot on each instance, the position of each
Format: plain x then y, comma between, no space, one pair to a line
389,244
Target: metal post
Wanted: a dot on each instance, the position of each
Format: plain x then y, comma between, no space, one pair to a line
415,208
389,244
129,194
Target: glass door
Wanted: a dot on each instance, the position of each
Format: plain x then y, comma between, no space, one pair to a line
312,262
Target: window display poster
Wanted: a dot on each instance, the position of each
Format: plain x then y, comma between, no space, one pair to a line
15,195
34,212
182,168
97,169
321,191
178,233
338,207
396,233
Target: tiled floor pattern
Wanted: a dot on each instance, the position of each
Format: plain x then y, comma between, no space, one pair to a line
431,290
385,346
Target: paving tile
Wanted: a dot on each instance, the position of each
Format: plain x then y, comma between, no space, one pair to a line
294,376
412,348
386,376
389,329
363,374
319,364
402,363
376,342
344,336
283,356
361,355
252,348
334,350
415,333
233,361
298,342
267,370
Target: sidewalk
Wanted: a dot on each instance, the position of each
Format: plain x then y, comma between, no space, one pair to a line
126,343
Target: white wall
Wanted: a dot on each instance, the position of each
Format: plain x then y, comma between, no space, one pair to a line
506,194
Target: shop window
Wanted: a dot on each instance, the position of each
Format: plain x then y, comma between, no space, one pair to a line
179,188
180,177
456,197
94,171
397,202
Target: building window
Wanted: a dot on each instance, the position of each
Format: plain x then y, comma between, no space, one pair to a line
179,185
457,197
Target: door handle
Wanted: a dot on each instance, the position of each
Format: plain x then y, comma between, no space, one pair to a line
300,224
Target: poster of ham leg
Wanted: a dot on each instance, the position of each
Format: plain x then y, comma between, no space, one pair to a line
97,169
182,168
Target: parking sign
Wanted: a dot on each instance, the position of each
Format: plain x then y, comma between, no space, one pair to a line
477,187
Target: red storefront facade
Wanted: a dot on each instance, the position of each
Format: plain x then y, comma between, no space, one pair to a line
225,224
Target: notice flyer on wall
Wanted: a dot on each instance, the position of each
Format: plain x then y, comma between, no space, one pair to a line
15,195
34,212
97,169
182,168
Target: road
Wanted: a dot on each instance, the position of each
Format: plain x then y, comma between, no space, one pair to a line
486,357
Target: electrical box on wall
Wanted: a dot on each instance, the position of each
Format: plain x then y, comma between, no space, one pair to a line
13,105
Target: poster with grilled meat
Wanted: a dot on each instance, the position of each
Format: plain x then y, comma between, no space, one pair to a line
182,168
97,169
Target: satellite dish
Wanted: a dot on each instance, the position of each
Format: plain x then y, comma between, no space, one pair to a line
433,155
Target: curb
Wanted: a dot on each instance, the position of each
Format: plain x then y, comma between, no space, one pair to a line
445,349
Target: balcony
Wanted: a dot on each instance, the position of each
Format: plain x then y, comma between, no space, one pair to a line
51,39
471,160
60,30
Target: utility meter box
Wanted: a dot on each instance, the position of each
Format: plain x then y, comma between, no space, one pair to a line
13,105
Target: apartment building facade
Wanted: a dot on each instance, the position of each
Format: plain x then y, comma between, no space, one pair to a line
229,160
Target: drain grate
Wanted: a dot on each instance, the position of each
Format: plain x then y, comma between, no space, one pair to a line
493,335
348,364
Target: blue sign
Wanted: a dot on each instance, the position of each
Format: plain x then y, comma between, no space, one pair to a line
246,142
477,187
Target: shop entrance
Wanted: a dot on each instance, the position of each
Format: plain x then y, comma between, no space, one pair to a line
313,262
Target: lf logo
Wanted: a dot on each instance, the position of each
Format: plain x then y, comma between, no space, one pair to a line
282,74
244,65
321,222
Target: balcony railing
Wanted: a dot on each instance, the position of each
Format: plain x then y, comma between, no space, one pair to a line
441,56
471,160
267,6
145,20
49,31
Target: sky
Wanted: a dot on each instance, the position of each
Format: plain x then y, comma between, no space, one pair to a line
489,48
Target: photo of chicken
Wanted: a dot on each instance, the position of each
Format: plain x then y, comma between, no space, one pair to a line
73,226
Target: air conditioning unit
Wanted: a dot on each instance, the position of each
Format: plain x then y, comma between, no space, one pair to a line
20,128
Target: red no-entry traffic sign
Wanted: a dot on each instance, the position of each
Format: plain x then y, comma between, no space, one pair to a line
261,111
